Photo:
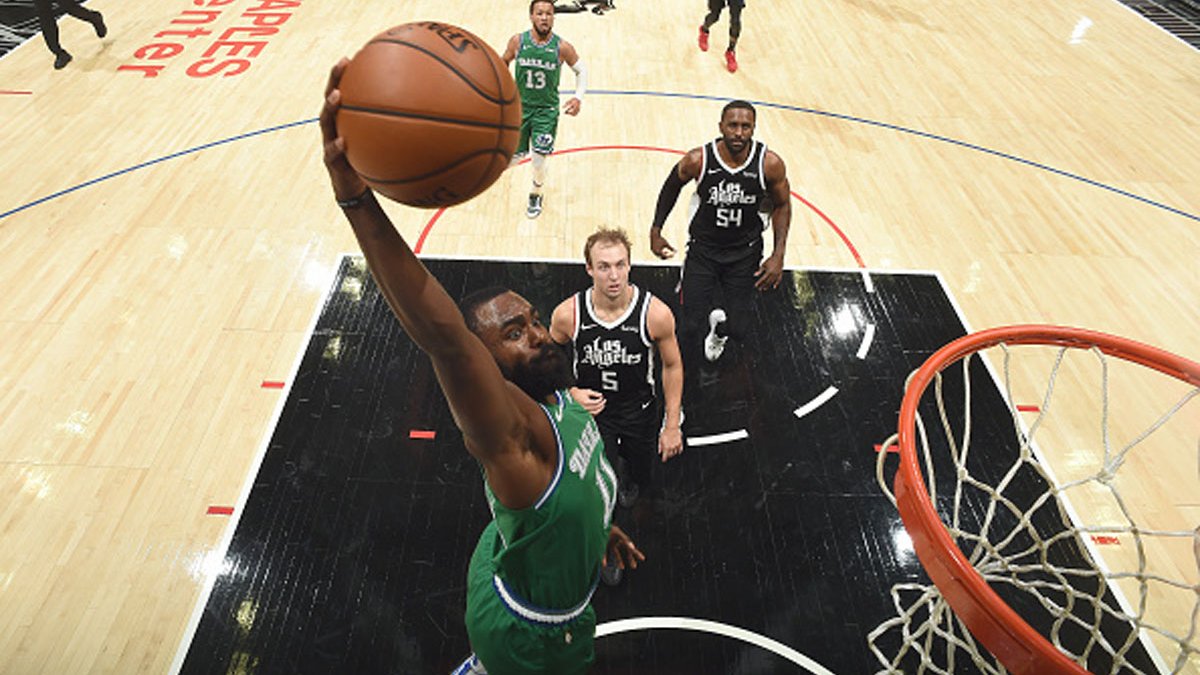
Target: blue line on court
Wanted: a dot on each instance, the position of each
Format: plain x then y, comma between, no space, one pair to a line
663,94
143,165
923,134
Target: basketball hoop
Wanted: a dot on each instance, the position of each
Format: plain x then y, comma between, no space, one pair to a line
1010,547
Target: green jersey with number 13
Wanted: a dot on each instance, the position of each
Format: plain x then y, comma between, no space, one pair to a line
538,68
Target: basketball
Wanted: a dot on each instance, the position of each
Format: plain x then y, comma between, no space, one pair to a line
429,113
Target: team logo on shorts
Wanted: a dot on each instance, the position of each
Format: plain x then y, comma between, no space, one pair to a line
544,141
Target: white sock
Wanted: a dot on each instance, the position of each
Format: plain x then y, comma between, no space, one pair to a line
539,172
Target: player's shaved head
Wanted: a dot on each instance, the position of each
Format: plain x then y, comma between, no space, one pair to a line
739,105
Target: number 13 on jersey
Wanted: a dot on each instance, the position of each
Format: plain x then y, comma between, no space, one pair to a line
535,79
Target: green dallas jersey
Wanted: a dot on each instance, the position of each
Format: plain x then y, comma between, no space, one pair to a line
548,555
538,68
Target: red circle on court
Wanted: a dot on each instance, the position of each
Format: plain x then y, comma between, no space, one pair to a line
650,148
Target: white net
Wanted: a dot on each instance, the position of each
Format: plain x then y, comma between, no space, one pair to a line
1102,560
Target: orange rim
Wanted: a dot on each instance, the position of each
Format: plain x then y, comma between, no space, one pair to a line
1006,635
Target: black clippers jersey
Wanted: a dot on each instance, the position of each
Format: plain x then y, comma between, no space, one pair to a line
725,209
617,358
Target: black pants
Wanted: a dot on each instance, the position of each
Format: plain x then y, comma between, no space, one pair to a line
705,274
631,432
45,14
704,271
735,17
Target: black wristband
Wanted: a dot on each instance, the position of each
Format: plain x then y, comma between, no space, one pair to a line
355,202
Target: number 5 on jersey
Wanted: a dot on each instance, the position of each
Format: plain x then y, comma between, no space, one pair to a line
608,380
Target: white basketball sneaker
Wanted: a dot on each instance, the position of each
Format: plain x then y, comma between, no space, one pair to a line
535,206
714,345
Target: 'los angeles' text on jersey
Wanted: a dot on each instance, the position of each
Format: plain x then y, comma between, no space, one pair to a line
603,353
615,358
725,209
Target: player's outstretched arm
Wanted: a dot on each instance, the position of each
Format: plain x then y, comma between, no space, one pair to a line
771,270
427,313
347,185
661,323
687,169
493,414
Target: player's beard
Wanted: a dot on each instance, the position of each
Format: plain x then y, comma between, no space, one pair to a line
542,37
544,374
731,142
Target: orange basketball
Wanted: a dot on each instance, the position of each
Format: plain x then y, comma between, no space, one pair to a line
430,114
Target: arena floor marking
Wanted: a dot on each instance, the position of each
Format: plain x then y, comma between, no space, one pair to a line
152,162
914,132
820,400
713,628
868,337
603,92
214,566
650,148
716,439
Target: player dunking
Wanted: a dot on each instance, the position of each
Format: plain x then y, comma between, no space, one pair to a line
737,178
539,55
549,486
735,28
617,329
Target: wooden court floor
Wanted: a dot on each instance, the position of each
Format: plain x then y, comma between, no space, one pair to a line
167,233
